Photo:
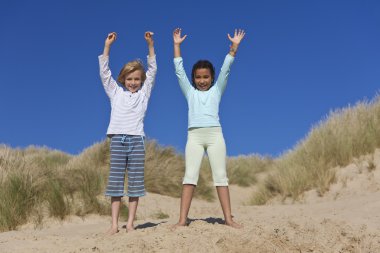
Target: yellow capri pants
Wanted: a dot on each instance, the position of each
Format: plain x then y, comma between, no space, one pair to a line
209,139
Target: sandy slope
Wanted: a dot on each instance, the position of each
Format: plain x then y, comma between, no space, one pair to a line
347,219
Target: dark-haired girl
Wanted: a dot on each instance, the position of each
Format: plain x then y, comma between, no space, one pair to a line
204,130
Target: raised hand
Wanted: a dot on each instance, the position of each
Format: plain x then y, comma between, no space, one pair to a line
149,37
111,37
238,36
177,36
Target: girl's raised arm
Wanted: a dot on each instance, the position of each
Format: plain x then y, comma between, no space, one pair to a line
177,42
225,71
178,62
238,36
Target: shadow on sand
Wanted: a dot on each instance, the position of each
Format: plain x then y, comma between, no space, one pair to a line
146,225
210,220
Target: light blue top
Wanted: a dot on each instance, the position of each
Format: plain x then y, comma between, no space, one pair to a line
203,105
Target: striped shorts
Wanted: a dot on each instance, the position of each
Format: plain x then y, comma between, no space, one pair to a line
127,153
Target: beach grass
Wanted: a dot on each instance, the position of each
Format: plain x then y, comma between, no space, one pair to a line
38,182
334,142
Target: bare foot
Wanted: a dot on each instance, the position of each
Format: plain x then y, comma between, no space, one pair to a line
112,231
178,225
233,224
130,228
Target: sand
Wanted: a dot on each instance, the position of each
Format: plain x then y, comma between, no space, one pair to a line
346,219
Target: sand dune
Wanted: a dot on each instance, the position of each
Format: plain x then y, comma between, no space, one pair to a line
346,219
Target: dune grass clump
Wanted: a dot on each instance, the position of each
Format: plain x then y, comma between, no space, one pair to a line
58,204
345,134
44,158
88,174
243,170
23,184
39,182
163,169
18,195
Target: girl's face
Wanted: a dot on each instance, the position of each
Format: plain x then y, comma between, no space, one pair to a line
133,81
202,78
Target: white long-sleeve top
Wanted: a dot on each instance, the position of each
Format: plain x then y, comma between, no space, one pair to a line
127,109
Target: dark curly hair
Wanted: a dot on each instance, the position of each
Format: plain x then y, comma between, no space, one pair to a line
203,64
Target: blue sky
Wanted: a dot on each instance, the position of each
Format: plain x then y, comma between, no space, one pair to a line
299,60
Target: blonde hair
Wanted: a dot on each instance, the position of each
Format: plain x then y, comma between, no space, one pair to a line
130,67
